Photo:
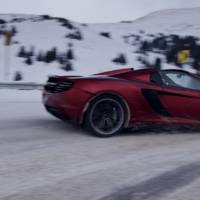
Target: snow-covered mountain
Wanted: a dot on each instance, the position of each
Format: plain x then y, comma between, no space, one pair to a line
95,47
173,21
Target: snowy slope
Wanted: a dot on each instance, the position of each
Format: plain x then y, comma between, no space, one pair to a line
172,21
94,53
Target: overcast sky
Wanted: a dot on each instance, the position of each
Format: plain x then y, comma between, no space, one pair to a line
93,10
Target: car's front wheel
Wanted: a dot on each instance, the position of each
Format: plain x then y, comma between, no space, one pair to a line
106,116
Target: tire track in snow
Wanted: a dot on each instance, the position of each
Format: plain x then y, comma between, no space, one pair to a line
159,186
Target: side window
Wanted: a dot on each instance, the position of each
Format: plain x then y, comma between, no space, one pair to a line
155,78
180,79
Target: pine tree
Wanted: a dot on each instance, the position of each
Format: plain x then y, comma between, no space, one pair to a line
51,55
40,57
48,57
54,53
60,60
13,30
158,63
171,56
105,34
121,59
18,76
196,65
22,52
145,46
29,61
31,52
70,54
68,66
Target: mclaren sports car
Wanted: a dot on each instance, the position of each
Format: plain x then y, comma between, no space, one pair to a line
109,102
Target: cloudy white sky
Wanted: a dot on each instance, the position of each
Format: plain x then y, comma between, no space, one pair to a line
93,10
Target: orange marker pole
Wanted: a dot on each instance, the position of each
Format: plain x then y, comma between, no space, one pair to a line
8,39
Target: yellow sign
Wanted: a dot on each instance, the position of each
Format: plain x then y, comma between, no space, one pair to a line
8,38
183,56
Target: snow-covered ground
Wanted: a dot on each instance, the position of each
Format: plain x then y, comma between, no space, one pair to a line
7,95
44,158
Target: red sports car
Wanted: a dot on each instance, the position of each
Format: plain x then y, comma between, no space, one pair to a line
108,102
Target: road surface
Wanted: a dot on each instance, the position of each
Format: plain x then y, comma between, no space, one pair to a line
42,158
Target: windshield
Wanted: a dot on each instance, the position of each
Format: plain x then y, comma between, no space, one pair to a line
180,79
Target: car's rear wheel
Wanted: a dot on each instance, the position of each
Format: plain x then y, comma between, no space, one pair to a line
106,116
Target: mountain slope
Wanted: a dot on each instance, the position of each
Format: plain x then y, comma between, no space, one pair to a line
172,21
93,51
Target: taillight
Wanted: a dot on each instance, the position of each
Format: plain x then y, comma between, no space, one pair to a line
60,86
63,86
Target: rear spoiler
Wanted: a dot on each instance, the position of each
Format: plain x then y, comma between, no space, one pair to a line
116,72
60,78
56,79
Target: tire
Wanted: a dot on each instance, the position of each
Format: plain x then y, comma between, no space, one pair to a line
105,116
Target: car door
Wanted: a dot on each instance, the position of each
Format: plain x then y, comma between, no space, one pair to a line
154,107
181,95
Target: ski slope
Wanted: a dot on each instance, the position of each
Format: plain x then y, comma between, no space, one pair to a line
94,53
